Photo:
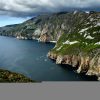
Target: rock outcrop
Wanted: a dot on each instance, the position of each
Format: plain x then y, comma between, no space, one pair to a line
80,47
84,64
21,38
59,59
44,38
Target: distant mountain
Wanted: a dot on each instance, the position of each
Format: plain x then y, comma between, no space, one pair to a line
47,27
77,35
5,29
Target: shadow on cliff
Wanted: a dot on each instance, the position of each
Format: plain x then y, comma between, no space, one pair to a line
82,75
73,70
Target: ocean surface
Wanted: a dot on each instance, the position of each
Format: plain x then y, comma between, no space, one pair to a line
29,57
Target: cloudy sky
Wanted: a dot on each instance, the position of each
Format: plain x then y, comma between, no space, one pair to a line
16,11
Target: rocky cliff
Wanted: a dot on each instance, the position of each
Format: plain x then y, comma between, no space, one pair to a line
84,64
80,48
47,26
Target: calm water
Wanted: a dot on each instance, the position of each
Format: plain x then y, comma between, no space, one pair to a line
29,58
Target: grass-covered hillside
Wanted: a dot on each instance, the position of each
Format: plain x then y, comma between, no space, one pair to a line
85,37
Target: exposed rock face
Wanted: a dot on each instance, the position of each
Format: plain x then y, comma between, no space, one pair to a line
52,56
94,68
52,24
80,48
85,64
44,38
59,59
21,37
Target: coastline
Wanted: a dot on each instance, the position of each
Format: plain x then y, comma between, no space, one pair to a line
81,64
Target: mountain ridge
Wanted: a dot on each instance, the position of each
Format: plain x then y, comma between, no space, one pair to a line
35,27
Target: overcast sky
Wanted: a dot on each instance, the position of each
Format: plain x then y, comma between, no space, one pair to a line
15,11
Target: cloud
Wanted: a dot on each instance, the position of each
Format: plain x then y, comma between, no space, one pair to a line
24,8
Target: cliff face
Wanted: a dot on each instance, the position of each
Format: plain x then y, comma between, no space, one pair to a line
53,25
80,48
84,64
44,38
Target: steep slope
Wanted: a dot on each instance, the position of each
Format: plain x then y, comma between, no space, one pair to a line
48,27
5,29
81,48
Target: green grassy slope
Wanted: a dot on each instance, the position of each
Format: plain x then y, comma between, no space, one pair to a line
85,38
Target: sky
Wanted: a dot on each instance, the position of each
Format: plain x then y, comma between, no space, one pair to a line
17,11
8,20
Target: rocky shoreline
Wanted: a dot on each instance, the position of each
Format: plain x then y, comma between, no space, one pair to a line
89,66
41,39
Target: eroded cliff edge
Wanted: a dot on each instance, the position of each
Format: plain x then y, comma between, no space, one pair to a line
87,64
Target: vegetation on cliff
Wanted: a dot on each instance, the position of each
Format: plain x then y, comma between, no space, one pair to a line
80,48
